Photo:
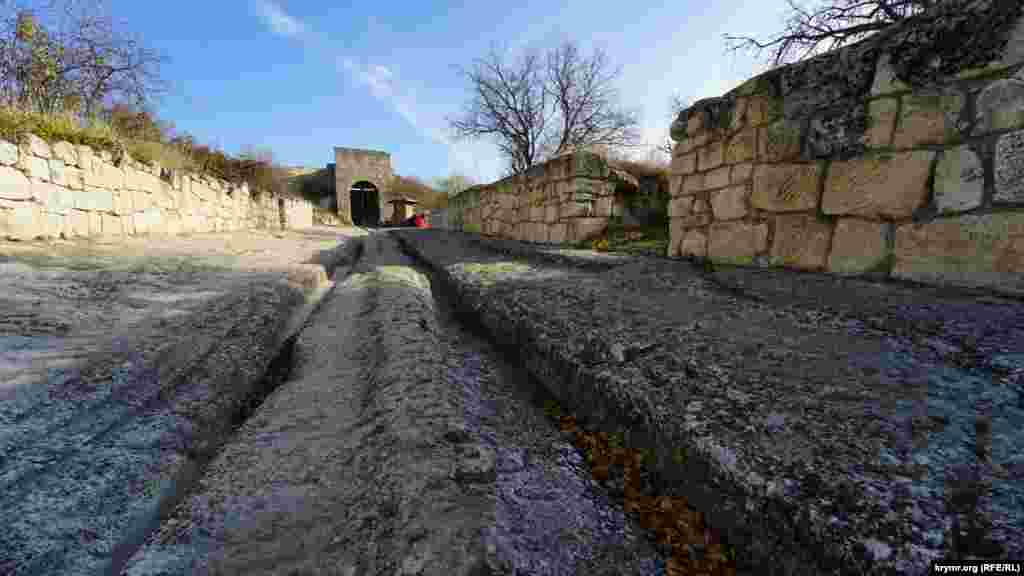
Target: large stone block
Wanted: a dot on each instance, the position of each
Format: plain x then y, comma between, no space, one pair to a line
603,206
970,249
105,175
880,185
885,81
928,118
66,153
692,184
1000,106
55,225
8,153
557,233
14,185
1009,167
685,163
959,180
858,246
779,141
54,199
741,147
786,187
57,172
717,178
695,243
801,241
111,225
741,173
21,221
551,213
882,114
736,242
730,203
758,108
37,168
679,206
142,201
690,144
79,223
711,156
85,157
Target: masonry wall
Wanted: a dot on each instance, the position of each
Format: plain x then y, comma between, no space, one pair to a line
70,191
901,156
567,199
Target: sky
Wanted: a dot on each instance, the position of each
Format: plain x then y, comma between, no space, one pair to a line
303,76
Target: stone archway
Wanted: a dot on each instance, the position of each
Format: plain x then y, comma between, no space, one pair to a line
364,204
361,170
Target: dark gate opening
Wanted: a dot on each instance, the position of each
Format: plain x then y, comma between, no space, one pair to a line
365,204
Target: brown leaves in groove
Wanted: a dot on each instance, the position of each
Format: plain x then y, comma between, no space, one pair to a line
675,524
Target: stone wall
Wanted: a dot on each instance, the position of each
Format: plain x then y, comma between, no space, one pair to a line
567,199
63,190
900,156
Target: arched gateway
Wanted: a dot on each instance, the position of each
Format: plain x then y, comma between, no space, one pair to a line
362,180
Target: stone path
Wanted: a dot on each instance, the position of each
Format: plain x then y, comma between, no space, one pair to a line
819,423
400,446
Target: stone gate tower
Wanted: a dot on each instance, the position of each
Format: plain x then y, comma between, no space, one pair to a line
362,180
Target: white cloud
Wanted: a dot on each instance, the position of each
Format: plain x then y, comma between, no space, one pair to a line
279,21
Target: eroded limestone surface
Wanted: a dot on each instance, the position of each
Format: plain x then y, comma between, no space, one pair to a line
822,423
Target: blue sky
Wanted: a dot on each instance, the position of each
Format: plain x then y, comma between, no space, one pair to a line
303,76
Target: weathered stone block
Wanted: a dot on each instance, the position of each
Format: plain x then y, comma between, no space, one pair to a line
972,249
85,157
1009,167
57,174
78,223
928,118
882,114
739,114
786,187
741,173
757,110
694,242
65,152
587,228
685,164
36,146
551,213
858,246
1000,106
694,123
679,206
801,241
21,221
111,225
959,180
603,206
779,141
54,199
695,219
881,185
736,242
105,175
741,147
1013,52
557,233
885,81
717,178
54,225
8,153
692,184
536,213
74,178
730,203
36,168
837,131
14,185
711,156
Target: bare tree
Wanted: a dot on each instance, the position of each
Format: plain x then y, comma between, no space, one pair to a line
70,55
830,25
540,106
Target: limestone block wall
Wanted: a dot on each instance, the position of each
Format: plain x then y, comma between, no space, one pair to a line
63,190
901,156
567,199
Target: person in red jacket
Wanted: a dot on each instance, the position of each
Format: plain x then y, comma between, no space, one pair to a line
419,221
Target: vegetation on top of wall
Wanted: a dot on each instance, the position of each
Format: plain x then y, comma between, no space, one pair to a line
426,196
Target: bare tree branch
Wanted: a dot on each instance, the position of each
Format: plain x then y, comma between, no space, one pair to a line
828,26
538,107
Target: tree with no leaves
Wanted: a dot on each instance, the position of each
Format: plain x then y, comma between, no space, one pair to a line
540,106
68,55
829,26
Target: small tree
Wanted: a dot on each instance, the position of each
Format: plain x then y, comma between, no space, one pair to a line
68,55
830,25
540,106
